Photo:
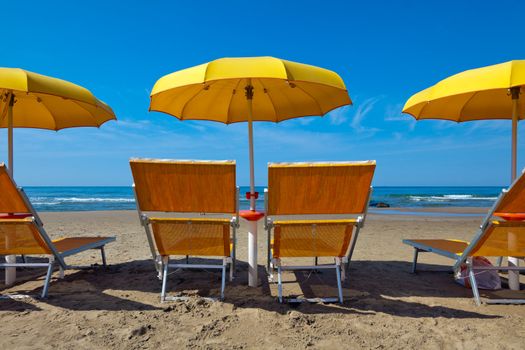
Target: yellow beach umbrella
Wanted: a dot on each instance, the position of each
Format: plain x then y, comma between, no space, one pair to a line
231,90
491,92
31,100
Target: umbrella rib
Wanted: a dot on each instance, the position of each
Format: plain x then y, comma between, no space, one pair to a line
50,113
230,103
187,102
316,102
463,107
4,111
271,102
90,114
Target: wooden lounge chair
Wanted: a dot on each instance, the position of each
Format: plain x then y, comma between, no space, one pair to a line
205,188
495,238
313,191
22,233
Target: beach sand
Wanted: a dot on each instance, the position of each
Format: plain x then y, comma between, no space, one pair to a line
385,305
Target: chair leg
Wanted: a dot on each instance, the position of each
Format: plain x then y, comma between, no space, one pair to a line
234,250
338,275
473,283
48,278
165,262
103,254
268,252
232,268
223,280
499,261
279,284
344,263
414,263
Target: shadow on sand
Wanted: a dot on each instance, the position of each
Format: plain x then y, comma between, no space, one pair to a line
371,287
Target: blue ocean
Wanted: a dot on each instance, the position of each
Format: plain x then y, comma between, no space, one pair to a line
121,198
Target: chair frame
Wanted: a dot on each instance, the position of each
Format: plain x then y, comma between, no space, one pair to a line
341,264
56,257
162,263
464,258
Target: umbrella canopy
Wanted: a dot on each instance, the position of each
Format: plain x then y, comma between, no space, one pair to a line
217,91
48,103
475,94
491,92
31,100
231,90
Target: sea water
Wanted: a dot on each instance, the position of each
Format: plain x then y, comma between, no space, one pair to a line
121,198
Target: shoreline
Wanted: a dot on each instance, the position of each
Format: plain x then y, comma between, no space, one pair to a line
372,211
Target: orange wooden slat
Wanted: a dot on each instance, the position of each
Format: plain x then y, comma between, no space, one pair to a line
10,199
514,199
340,188
185,186
447,245
66,244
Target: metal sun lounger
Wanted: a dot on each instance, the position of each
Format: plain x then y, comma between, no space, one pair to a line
180,187
495,238
312,190
22,233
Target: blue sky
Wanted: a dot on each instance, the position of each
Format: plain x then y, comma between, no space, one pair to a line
384,50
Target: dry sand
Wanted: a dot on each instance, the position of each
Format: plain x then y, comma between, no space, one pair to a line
385,306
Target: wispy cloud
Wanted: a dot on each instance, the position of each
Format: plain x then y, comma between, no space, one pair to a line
362,111
393,114
340,115
493,126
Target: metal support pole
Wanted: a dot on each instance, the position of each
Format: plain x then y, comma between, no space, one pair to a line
48,277
338,275
279,283
515,93
223,278
414,263
249,99
11,102
252,254
514,275
10,272
103,255
165,262
252,232
473,283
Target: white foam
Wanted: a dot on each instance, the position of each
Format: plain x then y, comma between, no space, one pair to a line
450,197
94,200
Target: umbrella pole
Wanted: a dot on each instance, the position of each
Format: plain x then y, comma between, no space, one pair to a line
252,224
514,276
10,272
250,141
11,99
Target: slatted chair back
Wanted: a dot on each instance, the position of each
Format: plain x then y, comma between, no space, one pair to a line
21,237
514,200
185,186
319,188
10,199
501,238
